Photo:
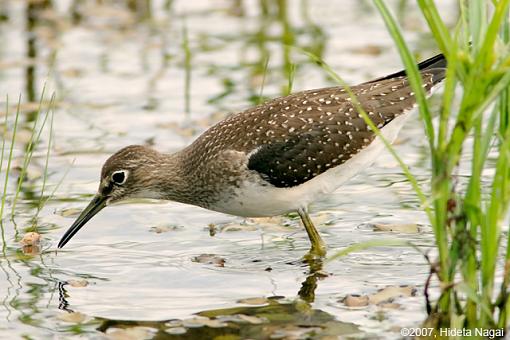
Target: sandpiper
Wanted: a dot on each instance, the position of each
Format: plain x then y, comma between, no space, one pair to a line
270,159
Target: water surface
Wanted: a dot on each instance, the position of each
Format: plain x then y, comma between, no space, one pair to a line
160,76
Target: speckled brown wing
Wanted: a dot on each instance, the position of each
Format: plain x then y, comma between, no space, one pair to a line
332,131
292,139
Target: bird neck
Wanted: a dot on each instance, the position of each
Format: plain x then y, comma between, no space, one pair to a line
169,179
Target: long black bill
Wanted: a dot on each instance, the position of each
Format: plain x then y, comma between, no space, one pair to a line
95,206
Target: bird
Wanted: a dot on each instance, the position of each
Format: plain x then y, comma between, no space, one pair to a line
271,159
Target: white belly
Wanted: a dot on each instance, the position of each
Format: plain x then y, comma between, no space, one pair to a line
252,200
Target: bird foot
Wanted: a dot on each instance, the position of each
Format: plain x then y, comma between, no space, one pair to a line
315,253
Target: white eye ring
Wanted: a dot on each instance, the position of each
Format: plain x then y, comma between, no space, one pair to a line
119,177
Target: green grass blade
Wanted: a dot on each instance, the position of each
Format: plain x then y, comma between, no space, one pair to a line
411,67
354,100
485,58
34,140
415,81
2,155
9,159
436,25
46,163
370,244
52,194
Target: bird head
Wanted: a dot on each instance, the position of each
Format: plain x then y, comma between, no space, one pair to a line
126,174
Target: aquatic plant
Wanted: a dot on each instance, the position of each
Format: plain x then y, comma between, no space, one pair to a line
7,157
7,154
467,218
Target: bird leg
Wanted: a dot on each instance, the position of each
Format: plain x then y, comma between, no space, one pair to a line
318,248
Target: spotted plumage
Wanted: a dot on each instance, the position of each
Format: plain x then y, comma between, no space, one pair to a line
270,159
292,139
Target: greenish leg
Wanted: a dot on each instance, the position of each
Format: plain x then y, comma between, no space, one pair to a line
318,248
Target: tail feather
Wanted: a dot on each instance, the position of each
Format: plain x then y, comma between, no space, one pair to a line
437,62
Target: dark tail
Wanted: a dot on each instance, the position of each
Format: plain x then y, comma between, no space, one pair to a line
436,62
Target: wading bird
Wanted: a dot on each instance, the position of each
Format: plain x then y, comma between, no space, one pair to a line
270,159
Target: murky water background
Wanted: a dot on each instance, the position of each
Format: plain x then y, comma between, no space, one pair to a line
119,76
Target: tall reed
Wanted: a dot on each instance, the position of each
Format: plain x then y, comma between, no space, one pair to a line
467,220
473,265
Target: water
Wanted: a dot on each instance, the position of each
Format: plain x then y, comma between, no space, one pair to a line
119,77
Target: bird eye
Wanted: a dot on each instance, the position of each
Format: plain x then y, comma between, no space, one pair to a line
119,177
